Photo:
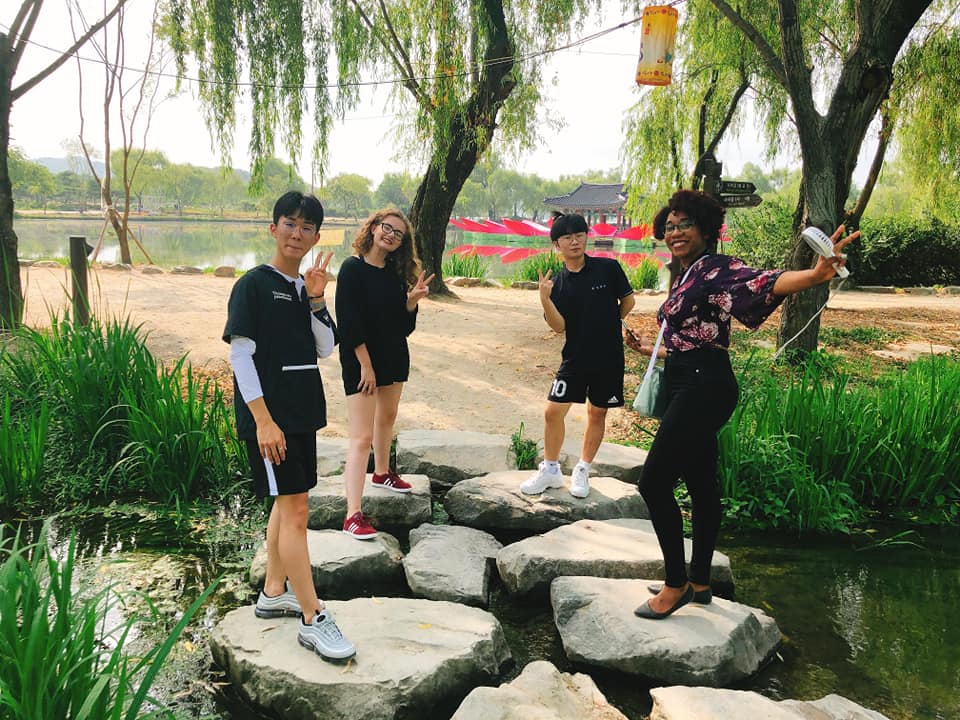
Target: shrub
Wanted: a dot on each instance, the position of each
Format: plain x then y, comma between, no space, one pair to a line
524,450
468,265
646,275
533,267
906,252
761,236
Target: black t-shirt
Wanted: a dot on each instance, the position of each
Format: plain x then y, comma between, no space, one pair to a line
589,301
266,308
371,308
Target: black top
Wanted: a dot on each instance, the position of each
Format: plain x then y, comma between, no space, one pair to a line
266,308
371,308
589,301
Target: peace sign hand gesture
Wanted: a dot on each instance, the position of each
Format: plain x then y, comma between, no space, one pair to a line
315,278
419,291
545,285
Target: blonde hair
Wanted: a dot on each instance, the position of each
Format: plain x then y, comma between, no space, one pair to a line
404,260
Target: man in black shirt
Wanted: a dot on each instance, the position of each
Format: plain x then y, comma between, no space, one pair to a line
586,301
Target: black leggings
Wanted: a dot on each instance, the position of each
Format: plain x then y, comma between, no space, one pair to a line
702,393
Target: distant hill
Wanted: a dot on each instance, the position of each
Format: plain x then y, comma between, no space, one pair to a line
58,165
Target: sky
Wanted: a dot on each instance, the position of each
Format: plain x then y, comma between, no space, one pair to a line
595,81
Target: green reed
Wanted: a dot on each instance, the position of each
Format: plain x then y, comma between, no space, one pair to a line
468,265
58,657
533,267
645,276
524,450
22,440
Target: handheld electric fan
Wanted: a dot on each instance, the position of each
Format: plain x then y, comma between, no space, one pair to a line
821,244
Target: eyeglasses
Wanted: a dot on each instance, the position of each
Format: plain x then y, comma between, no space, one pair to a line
388,230
683,225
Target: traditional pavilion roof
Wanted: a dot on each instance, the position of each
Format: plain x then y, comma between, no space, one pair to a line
609,198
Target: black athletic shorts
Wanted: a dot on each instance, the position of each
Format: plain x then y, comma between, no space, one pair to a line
604,389
295,475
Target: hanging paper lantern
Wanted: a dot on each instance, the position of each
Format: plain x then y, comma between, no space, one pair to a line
659,31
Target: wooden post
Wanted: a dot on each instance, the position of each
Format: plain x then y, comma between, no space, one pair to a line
78,270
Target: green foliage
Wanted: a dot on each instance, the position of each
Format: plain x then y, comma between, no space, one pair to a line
524,450
762,237
468,265
646,275
22,440
905,252
58,656
348,195
533,267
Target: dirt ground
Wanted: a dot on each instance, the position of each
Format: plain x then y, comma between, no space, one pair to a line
483,362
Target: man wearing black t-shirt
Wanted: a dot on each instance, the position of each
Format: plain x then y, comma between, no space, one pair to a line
586,301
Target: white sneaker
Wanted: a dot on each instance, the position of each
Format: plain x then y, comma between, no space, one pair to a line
324,638
580,481
543,479
283,605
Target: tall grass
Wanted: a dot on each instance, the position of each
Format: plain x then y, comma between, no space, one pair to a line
818,452
468,265
58,658
645,276
22,440
533,267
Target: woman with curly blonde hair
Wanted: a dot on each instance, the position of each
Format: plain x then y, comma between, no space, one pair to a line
378,291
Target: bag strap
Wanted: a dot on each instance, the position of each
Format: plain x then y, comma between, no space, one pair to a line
656,349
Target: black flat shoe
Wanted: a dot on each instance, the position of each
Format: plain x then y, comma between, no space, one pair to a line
701,597
645,611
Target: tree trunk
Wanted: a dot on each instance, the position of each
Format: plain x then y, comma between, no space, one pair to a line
11,294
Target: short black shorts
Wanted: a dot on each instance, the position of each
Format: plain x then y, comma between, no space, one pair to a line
295,475
604,389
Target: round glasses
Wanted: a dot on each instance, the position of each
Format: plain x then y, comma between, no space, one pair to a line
388,230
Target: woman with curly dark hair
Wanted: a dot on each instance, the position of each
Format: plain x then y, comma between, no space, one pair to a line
378,290
707,291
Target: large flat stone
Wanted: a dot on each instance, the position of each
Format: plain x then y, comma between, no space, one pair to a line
449,456
328,503
714,645
622,462
414,657
331,455
624,548
700,703
340,562
495,501
541,692
449,562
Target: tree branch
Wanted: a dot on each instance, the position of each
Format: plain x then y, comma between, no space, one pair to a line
731,109
759,42
397,45
23,35
886,130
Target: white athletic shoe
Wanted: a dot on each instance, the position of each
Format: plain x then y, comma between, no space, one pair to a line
541,480
324,638
580,481
283,605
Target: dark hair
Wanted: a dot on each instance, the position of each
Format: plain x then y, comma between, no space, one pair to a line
567,225
403,260
659,222
706,212
296,204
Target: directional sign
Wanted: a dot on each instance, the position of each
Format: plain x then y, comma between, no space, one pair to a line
737,187
740,200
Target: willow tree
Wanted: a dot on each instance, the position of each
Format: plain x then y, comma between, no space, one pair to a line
829,65
460,70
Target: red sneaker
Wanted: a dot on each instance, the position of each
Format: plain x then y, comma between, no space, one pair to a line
392,481
357,526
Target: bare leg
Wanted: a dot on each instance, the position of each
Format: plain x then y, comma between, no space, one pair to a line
593,435
553,429
360,411
292,545
388,400
276,574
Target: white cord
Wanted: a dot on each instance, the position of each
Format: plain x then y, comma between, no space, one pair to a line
783,347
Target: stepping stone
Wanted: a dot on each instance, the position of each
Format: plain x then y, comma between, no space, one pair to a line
186,270
449,456
328,503
495,501
341,563
622,462
700,703
224,271
47,264
151,270
541,692
714,645
331,455
420,657
598,548
448,562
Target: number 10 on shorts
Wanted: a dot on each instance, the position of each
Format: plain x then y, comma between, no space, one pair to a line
559,388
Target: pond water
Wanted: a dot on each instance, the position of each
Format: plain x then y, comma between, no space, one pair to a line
875,623
207,244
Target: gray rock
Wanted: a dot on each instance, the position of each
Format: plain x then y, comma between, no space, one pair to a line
448,562
495,501
525,285
151,270
598,548
23,262
448,456
413,657
622,462
701,703
541,692
920,291
469,282
951,290
882,289
331,455
121,267
328,503
714,645
225,271
47,264
340,562
186,270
